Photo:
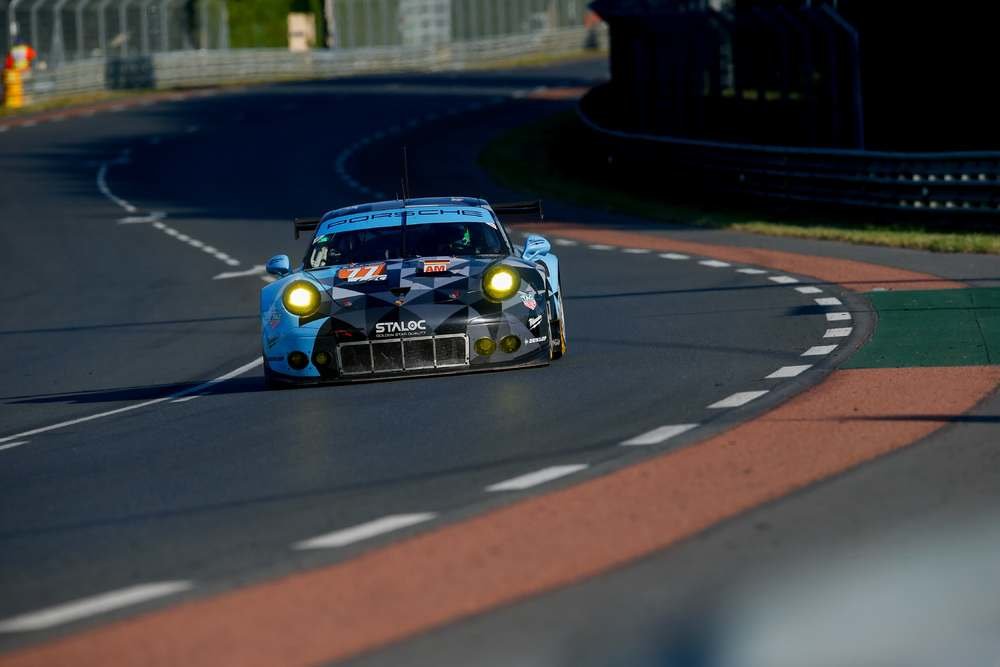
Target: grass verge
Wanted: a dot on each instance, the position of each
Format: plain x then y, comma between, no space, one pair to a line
550,157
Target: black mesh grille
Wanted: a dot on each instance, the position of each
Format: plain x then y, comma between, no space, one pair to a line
355,359
451,351
418,353
388,356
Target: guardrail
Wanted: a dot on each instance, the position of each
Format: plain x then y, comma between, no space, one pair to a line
213,67
966,182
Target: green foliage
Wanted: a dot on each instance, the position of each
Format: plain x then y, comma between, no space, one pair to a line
264,23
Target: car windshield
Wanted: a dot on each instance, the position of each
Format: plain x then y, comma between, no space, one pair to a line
427,240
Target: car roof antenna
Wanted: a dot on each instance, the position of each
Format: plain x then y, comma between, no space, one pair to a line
406,177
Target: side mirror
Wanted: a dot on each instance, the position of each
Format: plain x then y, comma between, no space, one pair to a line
535,246
278,266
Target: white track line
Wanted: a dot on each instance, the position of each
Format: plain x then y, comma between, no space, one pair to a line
535,478
783,280
12,445
829,301
565,242
752,272
92,606
819,350
102,183
737,399
128,408
840,332
837,317
601,246
788,372
673,255
714,263
637,251
658,435
364,531
808,290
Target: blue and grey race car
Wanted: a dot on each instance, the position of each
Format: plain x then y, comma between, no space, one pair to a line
407,288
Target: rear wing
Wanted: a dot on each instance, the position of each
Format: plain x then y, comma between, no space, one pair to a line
304,225
519,210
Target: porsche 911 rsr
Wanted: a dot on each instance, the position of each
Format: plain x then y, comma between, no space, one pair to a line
421,287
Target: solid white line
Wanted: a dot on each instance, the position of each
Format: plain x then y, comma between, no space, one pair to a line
788,372
92,606
784,280
673,255
187,398
184,392
819,350
102,185
809,290
637,251
253,271
658,435
12,445
714,263
536,478
601,246
752,272
841,332
365,531
828,301
837,317
737,399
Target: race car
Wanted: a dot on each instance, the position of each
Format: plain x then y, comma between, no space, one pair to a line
411,288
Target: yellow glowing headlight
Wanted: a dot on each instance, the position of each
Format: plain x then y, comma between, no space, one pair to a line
301,298
501,282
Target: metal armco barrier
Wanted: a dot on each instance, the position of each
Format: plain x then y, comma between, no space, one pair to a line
213,67
962,182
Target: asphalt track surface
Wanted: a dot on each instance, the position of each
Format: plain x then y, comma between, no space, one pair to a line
216,490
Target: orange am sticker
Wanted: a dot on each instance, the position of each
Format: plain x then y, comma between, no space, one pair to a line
357,274
436,266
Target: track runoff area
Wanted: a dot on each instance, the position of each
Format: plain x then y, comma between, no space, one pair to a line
577,516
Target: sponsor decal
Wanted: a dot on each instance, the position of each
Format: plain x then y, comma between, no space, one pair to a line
472,213
529,341
361,274
529,301
275,318
271,342
436,265
533,322
400,328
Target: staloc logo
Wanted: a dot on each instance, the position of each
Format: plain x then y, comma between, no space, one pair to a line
400,328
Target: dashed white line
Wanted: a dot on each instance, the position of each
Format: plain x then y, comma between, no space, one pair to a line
752,272
837,317
658,435
714,263
535,478
565,242
737,399
365,531
674,255
808,290
783,280
128,408
787,372
12,445
601,246
92,606
829,301
839,332
637,251
819,350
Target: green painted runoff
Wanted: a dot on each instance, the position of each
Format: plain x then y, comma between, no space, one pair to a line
933,328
